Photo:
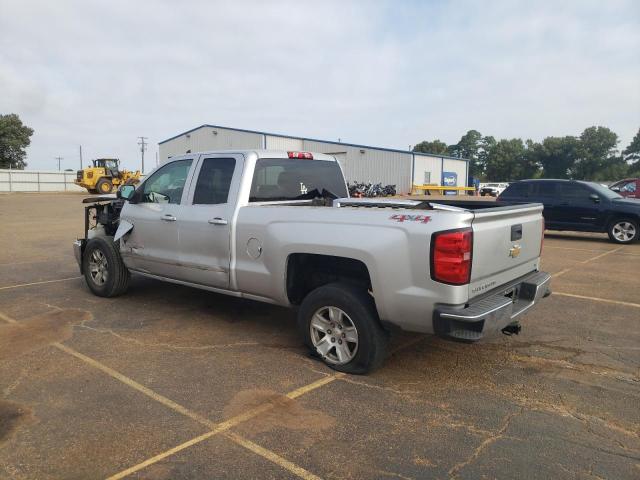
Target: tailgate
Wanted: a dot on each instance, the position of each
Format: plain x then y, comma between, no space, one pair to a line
506,245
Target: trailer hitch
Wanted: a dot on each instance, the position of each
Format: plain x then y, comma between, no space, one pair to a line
512,329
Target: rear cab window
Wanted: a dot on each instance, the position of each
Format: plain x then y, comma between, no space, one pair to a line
282,179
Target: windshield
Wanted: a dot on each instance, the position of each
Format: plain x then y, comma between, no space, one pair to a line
604,191
101,162
295,179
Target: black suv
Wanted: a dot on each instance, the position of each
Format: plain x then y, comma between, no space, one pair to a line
580,206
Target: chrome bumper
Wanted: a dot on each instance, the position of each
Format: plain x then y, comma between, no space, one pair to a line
492,313
78,247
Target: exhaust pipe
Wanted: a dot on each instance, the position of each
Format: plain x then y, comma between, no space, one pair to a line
512,329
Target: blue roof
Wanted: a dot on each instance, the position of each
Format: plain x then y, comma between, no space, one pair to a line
314,140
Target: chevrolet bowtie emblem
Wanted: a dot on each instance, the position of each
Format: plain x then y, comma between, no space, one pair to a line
515,251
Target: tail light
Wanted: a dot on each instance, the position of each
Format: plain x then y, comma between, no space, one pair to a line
303,155
451,253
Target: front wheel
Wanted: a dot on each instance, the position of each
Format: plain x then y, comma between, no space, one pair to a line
623,230
103,269
339,323
104,186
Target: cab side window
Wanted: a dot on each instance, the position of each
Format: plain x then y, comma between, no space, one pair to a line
574,193
166,184
214,181
544,190
628,187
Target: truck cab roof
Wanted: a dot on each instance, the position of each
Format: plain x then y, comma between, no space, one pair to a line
261,153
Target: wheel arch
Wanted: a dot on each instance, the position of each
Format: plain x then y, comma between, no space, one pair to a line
307,271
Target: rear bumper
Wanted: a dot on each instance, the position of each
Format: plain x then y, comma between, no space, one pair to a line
492,313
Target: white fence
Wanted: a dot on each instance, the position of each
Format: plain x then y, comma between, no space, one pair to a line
38,181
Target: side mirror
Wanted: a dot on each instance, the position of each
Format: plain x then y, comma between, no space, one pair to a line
615,189
126,191
595,198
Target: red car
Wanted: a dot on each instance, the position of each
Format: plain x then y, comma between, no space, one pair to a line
629,187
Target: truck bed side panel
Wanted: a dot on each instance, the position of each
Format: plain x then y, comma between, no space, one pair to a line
396,254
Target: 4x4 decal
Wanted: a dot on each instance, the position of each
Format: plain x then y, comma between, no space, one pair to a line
410,218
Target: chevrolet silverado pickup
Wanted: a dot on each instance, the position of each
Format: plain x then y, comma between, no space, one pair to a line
279,227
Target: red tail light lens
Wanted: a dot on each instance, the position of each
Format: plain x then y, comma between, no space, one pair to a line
303,155
451,256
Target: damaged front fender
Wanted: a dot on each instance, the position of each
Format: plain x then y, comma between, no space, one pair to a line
123,228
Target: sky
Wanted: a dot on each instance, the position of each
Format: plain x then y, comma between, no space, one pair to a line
390,74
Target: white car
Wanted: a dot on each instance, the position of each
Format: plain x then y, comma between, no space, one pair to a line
493,189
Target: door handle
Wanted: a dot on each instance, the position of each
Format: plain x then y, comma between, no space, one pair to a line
167,217
218,221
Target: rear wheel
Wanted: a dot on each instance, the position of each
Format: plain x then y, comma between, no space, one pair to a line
103,269
623,230
339,323
104,186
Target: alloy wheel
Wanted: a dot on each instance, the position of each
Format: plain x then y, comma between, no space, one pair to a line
334,335
98,267
624,231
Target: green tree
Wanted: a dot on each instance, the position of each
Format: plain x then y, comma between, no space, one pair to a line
632,154
556,156
14,138
486,144
596,152
530,166
469,147
615,169
509,160
436,147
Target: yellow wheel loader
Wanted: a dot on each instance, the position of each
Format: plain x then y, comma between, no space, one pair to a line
104,175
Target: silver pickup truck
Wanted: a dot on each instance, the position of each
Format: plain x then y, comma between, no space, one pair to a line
278,227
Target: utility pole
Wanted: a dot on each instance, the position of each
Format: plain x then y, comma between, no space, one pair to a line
80,157
59,160
143,147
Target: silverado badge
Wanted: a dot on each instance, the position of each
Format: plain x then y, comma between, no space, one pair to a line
515,251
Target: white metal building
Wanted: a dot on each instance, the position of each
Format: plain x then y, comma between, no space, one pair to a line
361,163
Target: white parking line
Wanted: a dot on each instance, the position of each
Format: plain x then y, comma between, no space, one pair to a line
583,262
598,299
588,250
215,428
39,283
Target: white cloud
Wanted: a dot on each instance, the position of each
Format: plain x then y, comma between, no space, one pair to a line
382,73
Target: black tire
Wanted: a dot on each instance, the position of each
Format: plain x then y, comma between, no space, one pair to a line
104,186
361,311
616,227
117,274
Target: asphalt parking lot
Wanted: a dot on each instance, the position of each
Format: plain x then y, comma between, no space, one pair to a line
168,382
